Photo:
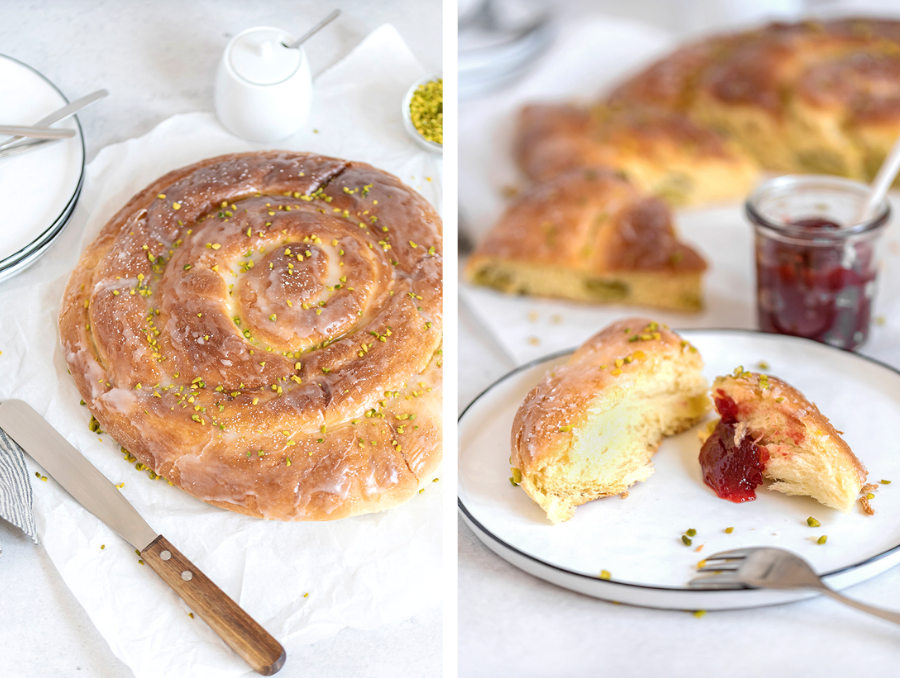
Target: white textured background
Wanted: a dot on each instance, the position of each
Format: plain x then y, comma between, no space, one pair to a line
158,59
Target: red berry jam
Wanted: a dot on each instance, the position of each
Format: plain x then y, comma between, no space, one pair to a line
818,289
732,468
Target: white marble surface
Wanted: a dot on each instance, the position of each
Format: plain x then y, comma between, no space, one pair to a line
158,59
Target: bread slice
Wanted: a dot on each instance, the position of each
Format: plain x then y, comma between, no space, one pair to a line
591,236
770,430
590,428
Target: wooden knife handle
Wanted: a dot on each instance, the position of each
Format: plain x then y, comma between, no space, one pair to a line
242,634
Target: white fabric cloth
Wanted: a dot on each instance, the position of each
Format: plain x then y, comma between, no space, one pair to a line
360,572
15,488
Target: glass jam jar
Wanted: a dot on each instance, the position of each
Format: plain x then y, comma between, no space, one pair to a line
816,265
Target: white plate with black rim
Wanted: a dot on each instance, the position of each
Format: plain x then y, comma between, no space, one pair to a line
38,189
638,540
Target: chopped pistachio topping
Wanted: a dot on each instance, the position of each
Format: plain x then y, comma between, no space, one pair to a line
426,110
812,522
687,345
822,539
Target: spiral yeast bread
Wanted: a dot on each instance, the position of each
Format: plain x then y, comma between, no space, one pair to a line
693,127
264,331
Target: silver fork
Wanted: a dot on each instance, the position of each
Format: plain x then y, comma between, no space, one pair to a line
771,568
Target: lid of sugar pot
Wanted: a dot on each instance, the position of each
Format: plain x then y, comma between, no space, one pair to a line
260,57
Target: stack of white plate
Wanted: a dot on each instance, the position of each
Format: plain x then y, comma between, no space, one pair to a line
38,189
498,41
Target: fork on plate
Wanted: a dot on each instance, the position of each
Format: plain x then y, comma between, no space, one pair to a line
771,568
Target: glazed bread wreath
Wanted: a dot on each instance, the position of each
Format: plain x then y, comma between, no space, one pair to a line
264,331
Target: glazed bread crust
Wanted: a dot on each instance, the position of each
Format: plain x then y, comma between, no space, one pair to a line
591,426
821,97
662,152
263,330
589,235
804,97
807,455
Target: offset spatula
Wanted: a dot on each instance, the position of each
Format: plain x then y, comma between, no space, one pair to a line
91,489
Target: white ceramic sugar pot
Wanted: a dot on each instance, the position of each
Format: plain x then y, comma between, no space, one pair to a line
264,89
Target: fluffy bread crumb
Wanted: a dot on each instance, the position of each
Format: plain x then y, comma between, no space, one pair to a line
807,457
591,428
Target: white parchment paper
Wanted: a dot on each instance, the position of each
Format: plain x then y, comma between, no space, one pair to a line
361,572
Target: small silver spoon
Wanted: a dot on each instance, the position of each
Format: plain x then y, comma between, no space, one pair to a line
315,29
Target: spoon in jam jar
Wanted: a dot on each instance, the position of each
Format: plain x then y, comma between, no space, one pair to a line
882,182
